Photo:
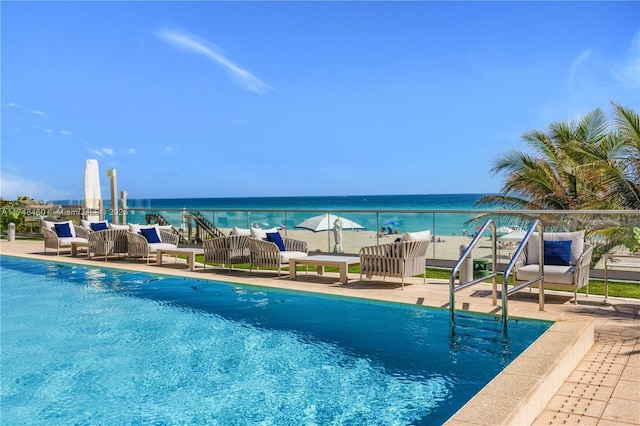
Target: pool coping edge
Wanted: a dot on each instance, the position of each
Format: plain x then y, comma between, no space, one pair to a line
522,390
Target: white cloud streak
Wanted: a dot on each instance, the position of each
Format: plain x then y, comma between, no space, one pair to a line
201,47
102,151
12,186
584,57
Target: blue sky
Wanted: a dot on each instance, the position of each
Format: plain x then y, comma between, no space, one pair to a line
233,99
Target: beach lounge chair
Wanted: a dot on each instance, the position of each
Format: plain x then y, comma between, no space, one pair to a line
60,235
146,244
229,250
567,261
275,251
404,258
108,242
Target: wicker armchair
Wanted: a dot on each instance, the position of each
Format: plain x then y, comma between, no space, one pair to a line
557,277
52,241
229,250
108,242
81,232
399,259
267,254
138,246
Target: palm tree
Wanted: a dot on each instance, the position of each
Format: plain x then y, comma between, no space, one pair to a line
575,166
551,177
627,183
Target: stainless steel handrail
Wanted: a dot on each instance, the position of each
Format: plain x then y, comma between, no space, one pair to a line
456,268
506,292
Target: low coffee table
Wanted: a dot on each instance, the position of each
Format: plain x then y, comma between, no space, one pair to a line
321,261
190,252
75,245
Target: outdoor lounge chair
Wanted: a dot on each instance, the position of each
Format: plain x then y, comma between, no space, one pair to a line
60,235
404,258
270,254
229,250
108,242
139,246
569,271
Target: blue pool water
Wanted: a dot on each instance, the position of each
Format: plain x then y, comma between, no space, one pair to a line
82,345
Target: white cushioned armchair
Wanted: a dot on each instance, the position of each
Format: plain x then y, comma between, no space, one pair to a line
568,272
268,254
229,250
405,258
60,235
108,242
139,246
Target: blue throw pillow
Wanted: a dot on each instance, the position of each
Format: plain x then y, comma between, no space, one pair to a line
557,252
151,235
63,230
275,238
98,226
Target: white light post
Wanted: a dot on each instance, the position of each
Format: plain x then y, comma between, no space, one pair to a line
111,173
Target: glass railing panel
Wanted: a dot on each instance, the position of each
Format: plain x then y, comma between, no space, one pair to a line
450,229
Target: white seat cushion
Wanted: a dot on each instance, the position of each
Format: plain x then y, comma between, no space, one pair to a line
417,236
66,241
240,231
286,255
51,226
153,247
552,273
116,226
260,233
577,244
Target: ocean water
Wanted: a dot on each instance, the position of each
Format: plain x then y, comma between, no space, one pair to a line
347,202
285,211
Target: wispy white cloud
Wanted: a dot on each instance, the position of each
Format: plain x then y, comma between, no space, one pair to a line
12,186
628,72
95,152
65,132
131,151
199,46
102,151
576,63
169,149
49,131
38,113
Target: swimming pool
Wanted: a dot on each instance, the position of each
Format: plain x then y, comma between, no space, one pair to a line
83,345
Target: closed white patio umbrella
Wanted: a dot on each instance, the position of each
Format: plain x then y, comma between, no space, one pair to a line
92,194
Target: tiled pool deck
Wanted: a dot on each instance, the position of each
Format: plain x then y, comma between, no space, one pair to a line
584,370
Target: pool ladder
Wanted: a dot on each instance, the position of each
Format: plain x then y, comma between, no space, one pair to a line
506,291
